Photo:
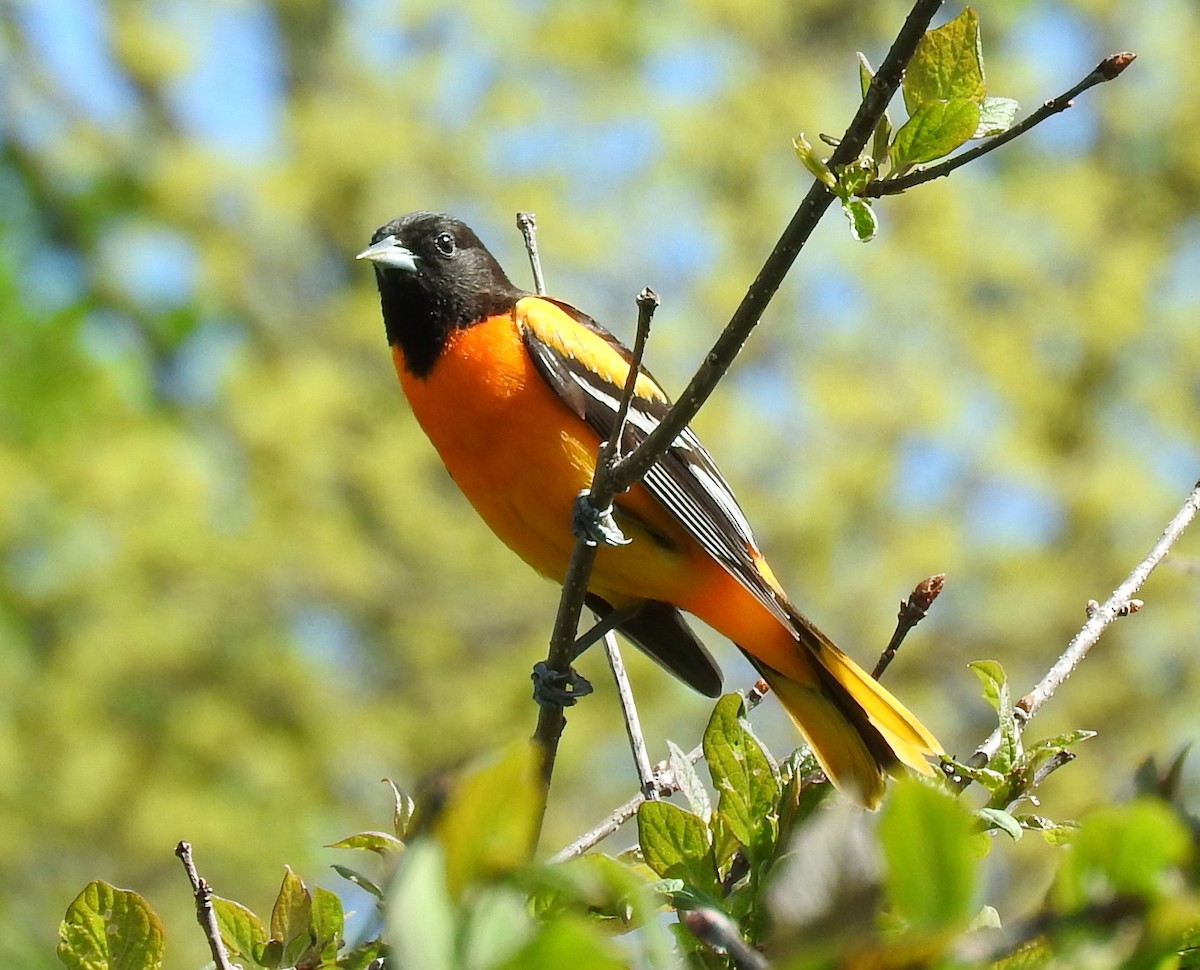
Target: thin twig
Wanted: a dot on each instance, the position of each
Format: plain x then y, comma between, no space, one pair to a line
205,914
912,611
527,223
721,934
1109,68
1091,631
551,720
666,786
633,725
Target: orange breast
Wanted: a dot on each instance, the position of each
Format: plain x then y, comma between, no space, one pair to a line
520,456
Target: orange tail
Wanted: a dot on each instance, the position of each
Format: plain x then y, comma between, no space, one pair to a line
856,728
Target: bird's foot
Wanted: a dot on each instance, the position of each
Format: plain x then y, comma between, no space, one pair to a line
555,688
596,526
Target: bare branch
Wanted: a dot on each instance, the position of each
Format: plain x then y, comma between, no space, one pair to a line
647,779
205,915
1116,605
527,223
912,611
719,933
1109,68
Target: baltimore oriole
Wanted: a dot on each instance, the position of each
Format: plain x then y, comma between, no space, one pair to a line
516,392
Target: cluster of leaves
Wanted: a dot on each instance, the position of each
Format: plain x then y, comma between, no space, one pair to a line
460,891
945,95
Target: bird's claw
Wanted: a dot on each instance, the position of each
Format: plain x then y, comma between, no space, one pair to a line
596,527
556,688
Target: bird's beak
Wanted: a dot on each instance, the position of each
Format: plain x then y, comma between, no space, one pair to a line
388,252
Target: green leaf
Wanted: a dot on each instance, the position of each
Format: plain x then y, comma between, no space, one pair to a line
747,784
489,821
567,942
358,879
683,771
863,223
947,65
883,128
420,916
811,161
1124,850
996,693
996,115
595,885
933,130
327,925
995,818
986,919
291,917
676,845
497,924
241,930
928,842
106,928
1055,833
381,842
402,810
361,956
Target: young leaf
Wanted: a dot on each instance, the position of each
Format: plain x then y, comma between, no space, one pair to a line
1124,850
326,925
996,693
863,222
106,928
812,162
688,780
928,842
568,942
747,783
241,930
402,810
497,925
995,115
291,916
933,130
361,881
421,917
883,128
488,824
380,842
995,818
676,845
947,65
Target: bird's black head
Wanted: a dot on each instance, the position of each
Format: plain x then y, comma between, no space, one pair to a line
434,277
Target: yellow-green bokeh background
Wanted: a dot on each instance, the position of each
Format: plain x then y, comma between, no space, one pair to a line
236,588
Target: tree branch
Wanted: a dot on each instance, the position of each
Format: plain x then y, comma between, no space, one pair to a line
1116,605
912,611
551,720
610,479
205,915
1109,68
718,361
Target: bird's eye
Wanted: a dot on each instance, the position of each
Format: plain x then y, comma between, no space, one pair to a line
444,243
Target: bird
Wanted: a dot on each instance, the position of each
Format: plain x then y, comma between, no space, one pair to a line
517,391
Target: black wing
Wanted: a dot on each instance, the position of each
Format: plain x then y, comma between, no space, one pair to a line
589,375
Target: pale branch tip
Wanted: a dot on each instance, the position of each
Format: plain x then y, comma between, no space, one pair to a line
1097,622
206,916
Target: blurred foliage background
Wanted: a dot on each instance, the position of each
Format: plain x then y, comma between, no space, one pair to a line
236,587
